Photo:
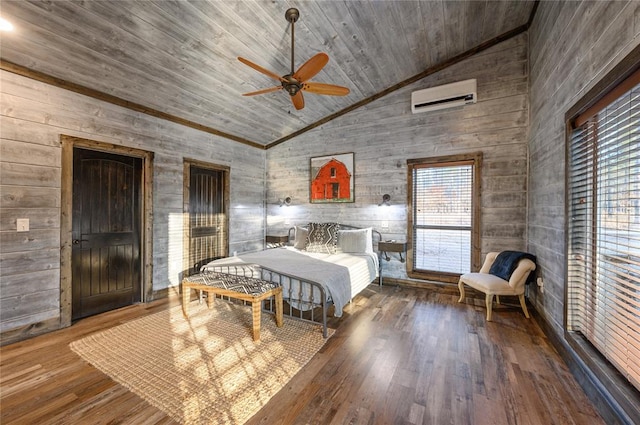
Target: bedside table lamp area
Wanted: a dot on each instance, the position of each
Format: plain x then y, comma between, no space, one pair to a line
392,246
273,241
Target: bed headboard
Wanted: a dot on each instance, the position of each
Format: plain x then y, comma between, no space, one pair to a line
375,235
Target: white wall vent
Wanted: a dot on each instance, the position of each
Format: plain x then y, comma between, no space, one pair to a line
445,96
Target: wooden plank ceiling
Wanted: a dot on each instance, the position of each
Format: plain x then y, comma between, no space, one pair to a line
179,57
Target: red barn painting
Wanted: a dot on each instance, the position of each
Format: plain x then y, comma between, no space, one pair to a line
332,178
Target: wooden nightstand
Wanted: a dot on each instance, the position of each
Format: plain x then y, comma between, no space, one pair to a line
392,246
274,241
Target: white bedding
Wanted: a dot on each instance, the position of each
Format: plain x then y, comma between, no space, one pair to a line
343,275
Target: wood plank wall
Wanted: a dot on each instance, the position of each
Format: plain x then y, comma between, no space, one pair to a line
384,134
573,45
32,117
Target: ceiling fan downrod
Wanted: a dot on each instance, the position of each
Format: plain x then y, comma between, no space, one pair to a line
292,86
292,14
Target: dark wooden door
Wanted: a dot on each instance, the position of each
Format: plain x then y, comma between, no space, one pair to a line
106,260
207,215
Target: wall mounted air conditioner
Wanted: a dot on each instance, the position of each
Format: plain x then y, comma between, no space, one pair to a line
445,96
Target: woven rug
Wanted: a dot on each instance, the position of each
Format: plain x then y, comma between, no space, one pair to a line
207,368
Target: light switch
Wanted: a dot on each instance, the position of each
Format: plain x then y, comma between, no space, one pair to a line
22,224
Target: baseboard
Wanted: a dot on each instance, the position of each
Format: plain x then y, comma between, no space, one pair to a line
50,325
606,403
170,292
29,331
426,284
159,294
441,287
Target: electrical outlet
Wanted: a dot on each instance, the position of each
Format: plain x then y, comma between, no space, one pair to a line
385,224
22,224
540,283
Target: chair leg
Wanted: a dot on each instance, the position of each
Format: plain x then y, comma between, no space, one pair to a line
497,299
523,303
461,287
489,302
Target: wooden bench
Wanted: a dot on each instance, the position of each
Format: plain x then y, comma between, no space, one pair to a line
239,287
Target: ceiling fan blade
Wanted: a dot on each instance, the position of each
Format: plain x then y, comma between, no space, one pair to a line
263,91
298,100
260,69
321,88
311,67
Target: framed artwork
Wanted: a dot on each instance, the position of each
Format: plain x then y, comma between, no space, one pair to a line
332,179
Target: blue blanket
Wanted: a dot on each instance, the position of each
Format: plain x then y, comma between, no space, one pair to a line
507,261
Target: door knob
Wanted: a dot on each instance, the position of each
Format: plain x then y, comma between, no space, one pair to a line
77,241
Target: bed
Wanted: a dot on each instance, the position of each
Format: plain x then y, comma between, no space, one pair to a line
327,265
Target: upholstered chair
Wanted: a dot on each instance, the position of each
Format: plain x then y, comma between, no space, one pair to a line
491,284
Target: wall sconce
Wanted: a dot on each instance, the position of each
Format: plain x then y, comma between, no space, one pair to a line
286,201
386,200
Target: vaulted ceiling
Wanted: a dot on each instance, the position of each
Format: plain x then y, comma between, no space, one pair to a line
178,59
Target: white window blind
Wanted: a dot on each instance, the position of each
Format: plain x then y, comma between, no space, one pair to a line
603,261
442,211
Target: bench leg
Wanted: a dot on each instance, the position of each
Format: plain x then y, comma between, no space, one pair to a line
210,298
186,297
255,310
278,301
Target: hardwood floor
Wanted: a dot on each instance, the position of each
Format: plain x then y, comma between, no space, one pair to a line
400,356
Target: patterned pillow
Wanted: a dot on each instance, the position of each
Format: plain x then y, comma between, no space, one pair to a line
323,237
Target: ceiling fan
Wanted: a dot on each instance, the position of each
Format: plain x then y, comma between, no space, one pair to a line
296,82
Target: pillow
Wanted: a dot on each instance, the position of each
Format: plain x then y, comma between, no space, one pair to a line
322,238
355,241
300,238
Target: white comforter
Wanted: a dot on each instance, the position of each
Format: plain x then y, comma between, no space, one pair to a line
342,275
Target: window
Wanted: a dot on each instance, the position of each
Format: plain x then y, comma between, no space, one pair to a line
603,227
443,218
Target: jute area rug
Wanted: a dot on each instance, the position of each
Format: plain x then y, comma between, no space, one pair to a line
207,368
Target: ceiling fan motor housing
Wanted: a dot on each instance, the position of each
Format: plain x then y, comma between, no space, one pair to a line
291,85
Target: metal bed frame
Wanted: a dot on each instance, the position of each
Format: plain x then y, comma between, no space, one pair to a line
301,293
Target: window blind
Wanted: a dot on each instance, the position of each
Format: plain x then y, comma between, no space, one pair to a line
603,261
442,212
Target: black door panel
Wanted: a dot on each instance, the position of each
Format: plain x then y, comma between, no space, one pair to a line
106,259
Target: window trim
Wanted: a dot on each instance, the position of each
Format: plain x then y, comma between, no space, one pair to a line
461,159
598,377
